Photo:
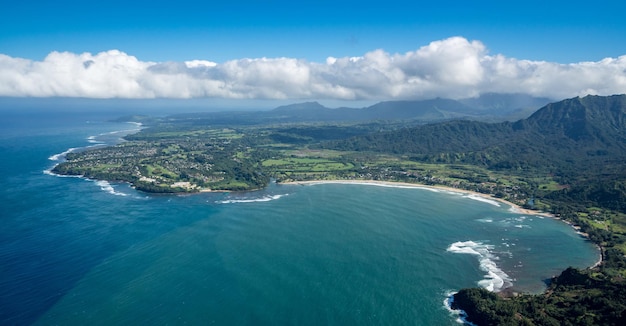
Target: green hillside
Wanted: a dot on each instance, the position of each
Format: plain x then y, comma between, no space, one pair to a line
580,142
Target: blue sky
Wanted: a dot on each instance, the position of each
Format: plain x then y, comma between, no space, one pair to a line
559,31
301,50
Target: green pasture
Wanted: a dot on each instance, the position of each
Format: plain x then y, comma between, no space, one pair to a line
306,164
224,133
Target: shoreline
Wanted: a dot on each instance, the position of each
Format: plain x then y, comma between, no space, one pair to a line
514,207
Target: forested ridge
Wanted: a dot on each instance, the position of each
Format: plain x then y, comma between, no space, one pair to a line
573,298
580,141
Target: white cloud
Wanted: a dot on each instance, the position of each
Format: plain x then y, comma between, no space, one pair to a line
453,67
200,63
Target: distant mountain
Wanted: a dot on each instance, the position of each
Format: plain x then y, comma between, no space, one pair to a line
427,110
308,106
489,107
308,112
516,106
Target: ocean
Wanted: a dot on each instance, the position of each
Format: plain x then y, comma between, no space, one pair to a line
76,251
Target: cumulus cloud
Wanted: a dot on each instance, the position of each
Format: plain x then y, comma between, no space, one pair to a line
453,68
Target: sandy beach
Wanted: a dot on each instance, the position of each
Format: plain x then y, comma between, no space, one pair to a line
485,197
514,206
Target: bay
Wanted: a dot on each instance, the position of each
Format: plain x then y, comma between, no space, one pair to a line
76,251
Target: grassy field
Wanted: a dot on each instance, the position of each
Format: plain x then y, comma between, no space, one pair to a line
306,164
221,133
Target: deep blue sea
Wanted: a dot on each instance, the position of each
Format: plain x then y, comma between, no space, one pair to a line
76,251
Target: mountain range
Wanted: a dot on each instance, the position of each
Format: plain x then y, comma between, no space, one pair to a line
579,141
488,107
589,123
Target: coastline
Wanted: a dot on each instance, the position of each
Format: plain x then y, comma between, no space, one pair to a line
461,315
514,207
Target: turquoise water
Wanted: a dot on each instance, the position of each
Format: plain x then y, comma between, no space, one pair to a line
75,251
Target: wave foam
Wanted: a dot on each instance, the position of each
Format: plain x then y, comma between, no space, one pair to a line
106,186
115,132
101,138
251,200
495,279
49,172
461,315
60,156
517,222
515,210
483,199
93,140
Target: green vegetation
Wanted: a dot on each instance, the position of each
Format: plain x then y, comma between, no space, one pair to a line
567,159
176,161
573,298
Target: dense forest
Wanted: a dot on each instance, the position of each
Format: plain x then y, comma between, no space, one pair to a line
573,298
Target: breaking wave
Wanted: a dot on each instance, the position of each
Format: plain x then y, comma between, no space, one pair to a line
495,279
251,200
96,141
60,156
461,315
93,140
106,186
483,199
